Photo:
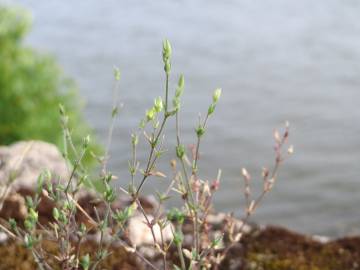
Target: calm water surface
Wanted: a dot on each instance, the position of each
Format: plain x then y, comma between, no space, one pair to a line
275,60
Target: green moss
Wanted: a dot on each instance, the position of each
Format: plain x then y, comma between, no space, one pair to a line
256,261
280,249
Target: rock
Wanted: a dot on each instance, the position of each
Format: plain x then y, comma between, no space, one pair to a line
3,237
14,207
321,239
140,233
216,219
149,203
25,161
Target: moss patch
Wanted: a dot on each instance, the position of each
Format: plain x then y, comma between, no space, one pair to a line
278,249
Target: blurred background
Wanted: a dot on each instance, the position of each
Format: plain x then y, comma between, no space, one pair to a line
275,61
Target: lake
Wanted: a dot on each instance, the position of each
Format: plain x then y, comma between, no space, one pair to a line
275,61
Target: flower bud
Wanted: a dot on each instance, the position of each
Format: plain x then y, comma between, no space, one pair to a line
117,73
61,109
142,124
180,151
200,131
12,223
150,114
277,136
33,215
175,215
180,87
85,262
178,237
86,141
167,67
244,172
158,104
216,95
134,139
166,50
56,213
181,81
109,194
176,104
211,109
28,241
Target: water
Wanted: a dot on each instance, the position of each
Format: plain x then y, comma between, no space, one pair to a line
275,60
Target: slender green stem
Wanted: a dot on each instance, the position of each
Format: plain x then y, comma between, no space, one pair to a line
133,165
147,221
112,125
150,159
166,92
163,247
189,190
194,174
76,165
181,255
155,140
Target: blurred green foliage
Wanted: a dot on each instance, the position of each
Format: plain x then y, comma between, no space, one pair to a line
31,87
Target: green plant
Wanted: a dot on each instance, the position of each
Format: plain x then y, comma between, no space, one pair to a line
31,87
206,251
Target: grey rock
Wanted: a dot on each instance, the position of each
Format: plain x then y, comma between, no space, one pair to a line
140,234
24,161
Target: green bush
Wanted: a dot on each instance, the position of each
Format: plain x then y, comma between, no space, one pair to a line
31,87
